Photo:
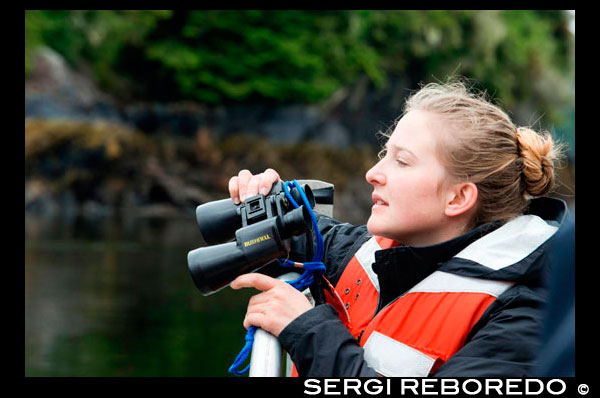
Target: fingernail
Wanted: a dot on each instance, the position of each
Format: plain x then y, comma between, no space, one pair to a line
264,190
236,200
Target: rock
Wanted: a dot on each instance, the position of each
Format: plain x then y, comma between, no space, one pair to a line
55,90
41,199
182,119
332,134
159,210
97,158
351,115
290,124
236,119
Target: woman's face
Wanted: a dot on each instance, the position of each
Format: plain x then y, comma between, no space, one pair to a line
408,194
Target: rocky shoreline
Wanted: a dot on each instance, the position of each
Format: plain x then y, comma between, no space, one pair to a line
100,169
351,115
88,153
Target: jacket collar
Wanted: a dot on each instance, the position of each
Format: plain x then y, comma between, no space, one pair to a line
480,252
527,237
400,268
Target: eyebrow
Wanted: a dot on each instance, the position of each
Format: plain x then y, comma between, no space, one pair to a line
400,148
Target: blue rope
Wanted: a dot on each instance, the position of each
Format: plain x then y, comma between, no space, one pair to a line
244,353
317,257
305,280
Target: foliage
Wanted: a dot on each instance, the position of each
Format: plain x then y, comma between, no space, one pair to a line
94,38
216,56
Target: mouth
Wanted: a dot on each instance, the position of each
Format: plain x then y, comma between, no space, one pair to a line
378,201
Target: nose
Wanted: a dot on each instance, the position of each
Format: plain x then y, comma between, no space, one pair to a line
375,175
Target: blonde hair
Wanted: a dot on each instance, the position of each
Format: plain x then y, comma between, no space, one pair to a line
508,164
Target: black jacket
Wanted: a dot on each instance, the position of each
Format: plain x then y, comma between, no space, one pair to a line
505,340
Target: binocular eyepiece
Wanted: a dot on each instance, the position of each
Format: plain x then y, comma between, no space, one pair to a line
243,238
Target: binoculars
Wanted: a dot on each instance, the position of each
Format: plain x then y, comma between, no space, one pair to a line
246,237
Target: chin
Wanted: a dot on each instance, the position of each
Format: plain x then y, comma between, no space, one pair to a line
374,229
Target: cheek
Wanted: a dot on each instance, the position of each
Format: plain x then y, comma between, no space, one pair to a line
418,196
422,187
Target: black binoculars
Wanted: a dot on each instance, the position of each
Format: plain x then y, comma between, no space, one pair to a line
243,238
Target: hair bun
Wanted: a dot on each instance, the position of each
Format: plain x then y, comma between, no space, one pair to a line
538,153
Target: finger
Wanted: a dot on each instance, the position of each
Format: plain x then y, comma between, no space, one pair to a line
258,299
267,179
258,281
253,186
234,190
274,174
255,319
243,178
262,308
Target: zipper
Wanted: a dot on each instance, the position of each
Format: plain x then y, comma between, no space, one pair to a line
360,336
377,311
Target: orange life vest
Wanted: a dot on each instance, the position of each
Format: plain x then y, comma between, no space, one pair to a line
417,332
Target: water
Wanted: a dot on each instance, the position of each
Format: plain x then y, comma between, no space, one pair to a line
113,297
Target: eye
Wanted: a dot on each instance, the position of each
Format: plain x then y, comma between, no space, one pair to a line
401,162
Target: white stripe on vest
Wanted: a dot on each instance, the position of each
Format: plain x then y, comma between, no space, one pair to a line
389,357
440,282
510,243
366,257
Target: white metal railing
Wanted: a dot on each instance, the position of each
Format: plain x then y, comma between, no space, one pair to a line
267,354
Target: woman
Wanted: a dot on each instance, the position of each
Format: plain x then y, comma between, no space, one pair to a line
446,277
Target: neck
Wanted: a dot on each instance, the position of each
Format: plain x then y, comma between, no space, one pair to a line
451,230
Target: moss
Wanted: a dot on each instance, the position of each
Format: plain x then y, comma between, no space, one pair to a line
115,166
117,140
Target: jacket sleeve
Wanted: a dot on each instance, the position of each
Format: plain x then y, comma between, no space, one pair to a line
505,341
321,346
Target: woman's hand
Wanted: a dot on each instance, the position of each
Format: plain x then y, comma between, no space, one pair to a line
245,184
276,307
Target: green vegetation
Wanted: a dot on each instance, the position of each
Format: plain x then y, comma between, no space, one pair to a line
284,56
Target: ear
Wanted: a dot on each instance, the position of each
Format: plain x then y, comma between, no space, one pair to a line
461,198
